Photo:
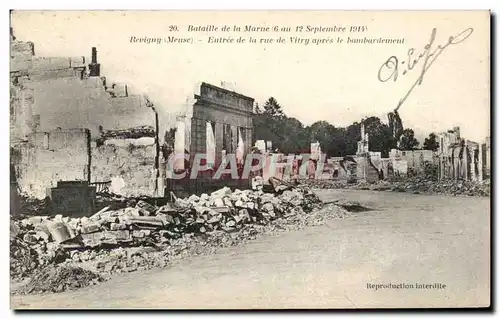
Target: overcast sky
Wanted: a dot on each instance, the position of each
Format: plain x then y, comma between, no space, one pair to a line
333,82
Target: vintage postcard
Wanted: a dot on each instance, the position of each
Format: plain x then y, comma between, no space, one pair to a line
250,159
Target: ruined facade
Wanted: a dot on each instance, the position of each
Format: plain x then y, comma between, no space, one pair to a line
460,158
398,165
68,92
56,99
221,123
365,168
417,158
229,113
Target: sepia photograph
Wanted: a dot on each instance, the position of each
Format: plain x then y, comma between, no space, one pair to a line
250,159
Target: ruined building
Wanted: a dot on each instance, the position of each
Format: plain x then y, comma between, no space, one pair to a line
67,122
365,168
460,158
225,115
221,123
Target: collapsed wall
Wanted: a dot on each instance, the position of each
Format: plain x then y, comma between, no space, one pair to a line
126,159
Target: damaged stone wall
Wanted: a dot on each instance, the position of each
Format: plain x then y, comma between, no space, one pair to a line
399,166
460,159
128,163
338,168
49,93
52,92
22,121
48,157
416,159
85,103
221,107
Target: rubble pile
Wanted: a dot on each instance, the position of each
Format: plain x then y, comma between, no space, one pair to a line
30,247
445,187
416,185
328,184
142,236
23,259
58,279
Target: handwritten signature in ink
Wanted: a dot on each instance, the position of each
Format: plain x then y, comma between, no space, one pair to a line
391,67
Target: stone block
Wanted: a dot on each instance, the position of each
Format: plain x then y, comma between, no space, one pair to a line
239,203
118,226
165,218
243,213
117,236
50,63
227,202
221,193
215,219
146,220
43,75
138,234
268,207
90,228
237,218
144,206
168,208
99,214
132,211
59,231
108,220
218,202
222,210
92,239
266,198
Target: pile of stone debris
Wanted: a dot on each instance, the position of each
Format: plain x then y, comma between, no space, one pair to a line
415,185
142,236
446,187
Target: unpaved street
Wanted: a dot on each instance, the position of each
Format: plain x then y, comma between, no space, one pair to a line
409,239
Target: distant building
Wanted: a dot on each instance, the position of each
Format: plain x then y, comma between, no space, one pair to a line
221,123
459,158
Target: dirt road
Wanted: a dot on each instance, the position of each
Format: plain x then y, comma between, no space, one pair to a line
407,239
